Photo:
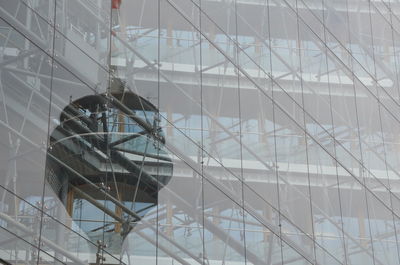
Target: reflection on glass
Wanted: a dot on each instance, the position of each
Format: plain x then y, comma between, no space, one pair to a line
199,132
106,164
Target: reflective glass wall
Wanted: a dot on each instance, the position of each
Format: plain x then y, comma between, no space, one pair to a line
200,132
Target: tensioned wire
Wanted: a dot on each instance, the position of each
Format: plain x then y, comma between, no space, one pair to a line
304,110
307,113
102,66
74,74
328,152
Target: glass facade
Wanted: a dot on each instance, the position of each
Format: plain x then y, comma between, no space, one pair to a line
206,132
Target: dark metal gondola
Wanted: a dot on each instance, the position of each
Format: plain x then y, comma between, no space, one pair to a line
109,148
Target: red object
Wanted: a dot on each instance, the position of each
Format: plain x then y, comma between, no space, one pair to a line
116,4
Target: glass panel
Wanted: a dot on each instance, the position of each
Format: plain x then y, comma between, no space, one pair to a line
258,143
199,132
180,219
24,110
33,19
294,192
17,248
86,26
355,219
220,100
265,244
223,234
135,47
382,231
180,79
19,228
89,71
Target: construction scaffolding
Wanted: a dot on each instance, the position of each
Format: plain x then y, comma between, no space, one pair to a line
199,132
